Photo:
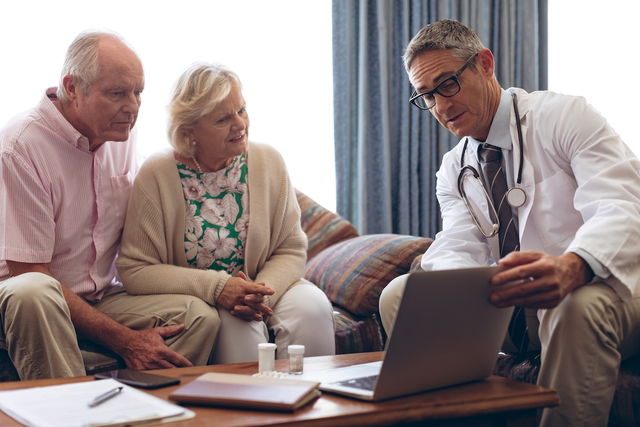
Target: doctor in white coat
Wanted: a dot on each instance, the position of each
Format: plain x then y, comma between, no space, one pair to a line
578,216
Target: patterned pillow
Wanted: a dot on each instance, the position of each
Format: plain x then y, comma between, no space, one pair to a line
354,272
322,227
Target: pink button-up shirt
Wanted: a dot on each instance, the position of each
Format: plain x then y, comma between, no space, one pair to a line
61,203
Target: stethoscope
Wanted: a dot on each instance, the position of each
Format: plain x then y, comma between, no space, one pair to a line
516,197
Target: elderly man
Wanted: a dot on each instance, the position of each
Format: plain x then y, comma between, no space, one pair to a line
560,211
66,169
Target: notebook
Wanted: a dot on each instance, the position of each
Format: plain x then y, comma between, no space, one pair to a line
446,333
245,391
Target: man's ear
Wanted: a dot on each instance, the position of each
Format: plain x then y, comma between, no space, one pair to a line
485,62
70,87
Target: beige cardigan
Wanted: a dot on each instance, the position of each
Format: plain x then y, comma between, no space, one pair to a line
152,257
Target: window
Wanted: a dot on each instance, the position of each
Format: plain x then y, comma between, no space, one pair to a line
281,51
593,53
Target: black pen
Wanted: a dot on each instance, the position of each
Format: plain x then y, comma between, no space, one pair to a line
104,397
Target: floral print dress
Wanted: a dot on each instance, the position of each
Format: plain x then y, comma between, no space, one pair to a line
217,216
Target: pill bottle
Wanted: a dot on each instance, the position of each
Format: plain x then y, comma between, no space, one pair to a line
296,359
266,357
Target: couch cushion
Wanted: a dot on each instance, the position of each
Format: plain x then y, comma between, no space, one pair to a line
353,273
322,227
356,334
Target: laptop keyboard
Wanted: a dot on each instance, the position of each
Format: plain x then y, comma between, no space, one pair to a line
364,383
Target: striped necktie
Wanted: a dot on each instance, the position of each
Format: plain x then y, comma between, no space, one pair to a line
491,162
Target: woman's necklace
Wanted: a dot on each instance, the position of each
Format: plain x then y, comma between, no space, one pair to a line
200,170
197,164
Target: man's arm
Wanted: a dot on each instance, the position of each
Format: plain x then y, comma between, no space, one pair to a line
143,349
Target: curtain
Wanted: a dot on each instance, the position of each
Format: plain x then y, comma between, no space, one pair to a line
387,151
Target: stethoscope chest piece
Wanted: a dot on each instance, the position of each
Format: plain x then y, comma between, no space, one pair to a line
516,197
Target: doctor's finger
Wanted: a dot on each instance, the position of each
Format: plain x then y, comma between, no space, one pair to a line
516,258
516,275
536,298
519,290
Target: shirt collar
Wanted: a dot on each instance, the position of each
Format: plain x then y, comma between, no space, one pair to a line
499,132
57,120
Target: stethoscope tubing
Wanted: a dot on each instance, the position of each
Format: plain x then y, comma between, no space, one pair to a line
516,197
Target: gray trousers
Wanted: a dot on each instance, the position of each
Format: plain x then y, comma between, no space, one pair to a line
583,341
37,332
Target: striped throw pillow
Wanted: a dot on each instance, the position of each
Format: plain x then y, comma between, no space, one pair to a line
353,273
322,227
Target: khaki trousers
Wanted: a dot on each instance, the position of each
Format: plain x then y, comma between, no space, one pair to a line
37,332
583,341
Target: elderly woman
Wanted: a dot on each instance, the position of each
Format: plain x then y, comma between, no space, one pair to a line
217,218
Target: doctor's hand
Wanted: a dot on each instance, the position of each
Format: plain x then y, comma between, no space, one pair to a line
537,280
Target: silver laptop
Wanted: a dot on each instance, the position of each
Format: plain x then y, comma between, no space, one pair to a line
446,333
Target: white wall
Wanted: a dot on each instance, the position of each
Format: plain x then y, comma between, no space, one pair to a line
280,49
593,52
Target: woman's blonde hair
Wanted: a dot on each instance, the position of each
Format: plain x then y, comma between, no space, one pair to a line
198,90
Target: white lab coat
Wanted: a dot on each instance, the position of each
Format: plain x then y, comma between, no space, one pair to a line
582,185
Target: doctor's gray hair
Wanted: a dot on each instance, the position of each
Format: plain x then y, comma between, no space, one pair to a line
198,90
81,61
445,34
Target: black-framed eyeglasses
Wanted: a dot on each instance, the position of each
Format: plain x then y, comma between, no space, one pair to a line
447,88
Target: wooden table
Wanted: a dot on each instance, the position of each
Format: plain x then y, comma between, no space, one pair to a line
495,401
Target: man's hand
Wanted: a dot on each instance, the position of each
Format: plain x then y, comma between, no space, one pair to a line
146,349
537,280
244,299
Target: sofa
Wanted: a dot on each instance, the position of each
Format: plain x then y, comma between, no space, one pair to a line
352,270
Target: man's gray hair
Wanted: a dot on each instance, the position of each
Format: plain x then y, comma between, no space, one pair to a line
445,34
199,89
81,62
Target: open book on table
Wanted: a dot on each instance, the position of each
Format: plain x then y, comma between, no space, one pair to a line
244,391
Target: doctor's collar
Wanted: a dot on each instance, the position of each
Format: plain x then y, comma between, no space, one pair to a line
499,133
